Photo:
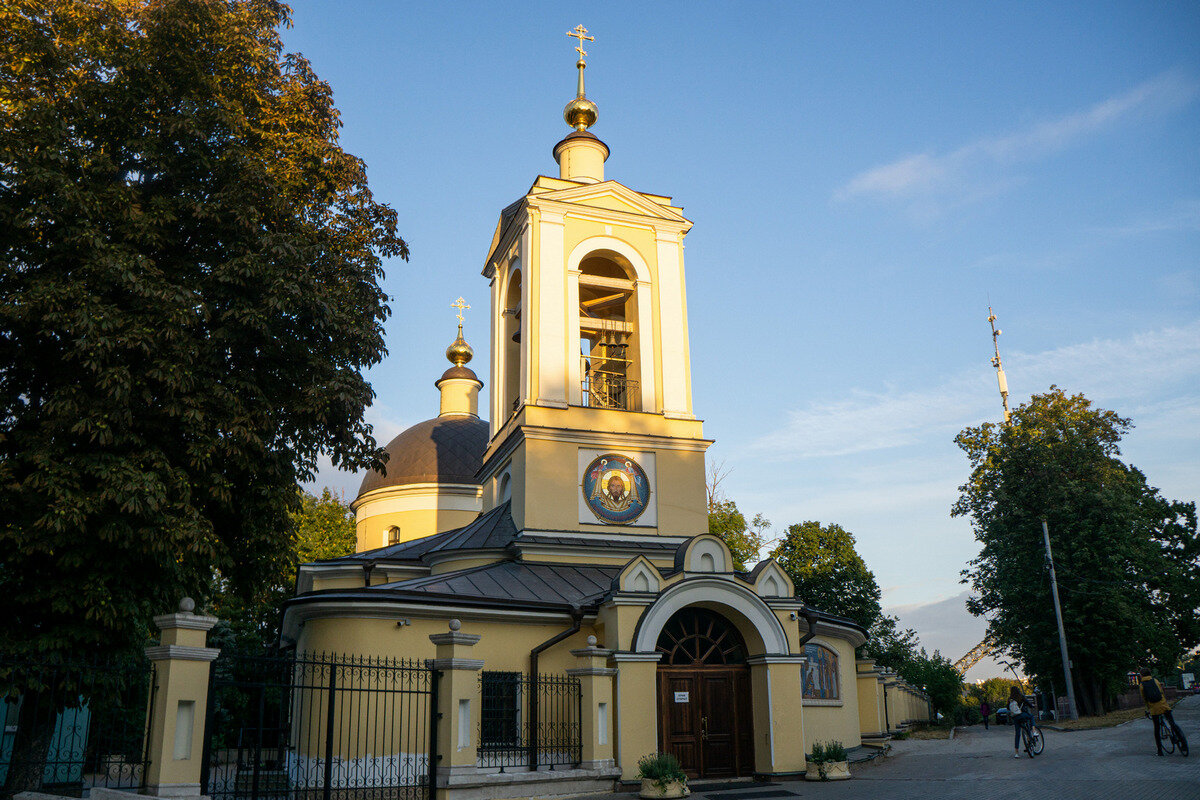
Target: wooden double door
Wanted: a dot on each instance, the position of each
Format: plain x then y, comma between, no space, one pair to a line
705,719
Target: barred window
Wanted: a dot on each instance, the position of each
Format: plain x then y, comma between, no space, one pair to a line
500,719
820,673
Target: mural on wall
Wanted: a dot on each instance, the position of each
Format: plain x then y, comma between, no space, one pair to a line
820,673
616,489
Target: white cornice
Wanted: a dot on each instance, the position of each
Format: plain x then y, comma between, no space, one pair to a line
185,620
179,652
603,438
621,657
333,608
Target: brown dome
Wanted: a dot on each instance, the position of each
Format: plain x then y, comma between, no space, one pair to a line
439,450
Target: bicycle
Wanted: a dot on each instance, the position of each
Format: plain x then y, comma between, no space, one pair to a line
1169,739
1032,736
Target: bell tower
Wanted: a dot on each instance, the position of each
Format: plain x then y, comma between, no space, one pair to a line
592,428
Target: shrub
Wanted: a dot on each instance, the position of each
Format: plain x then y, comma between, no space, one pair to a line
817,754
834,751
662,768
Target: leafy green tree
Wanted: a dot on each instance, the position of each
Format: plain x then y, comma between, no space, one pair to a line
189,291
994,691
325,529
828,572
890,646
745,540
1127,559
938,678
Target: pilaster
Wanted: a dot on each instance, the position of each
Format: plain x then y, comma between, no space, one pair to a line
637,709
458,705
179,702
596,707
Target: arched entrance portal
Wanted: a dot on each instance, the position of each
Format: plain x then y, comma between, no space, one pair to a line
704,711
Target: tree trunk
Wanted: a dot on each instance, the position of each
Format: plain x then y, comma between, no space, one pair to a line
35,728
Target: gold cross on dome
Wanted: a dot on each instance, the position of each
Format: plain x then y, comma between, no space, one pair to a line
580,33
460,304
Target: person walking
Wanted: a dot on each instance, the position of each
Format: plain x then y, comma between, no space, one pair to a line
1017,713
1157,706
985,708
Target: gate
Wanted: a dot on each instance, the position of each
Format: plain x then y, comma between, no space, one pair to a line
320,727
70,727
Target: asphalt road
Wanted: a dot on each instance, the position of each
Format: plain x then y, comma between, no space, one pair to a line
1117,763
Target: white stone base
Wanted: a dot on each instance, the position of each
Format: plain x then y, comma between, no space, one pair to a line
546,783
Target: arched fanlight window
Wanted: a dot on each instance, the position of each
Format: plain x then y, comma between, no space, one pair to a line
697,636
821,673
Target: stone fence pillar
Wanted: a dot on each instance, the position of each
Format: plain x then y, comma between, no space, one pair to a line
458,706
596,708
179,704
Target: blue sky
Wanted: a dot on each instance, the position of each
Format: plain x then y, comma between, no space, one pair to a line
865,179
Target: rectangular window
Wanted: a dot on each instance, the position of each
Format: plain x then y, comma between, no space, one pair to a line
500,717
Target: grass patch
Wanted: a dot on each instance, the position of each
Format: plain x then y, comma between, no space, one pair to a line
1102,721
931,732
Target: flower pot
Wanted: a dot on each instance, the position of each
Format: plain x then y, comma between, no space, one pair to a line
812,771
836,770
652,789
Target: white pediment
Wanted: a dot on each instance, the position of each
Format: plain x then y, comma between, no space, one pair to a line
612,196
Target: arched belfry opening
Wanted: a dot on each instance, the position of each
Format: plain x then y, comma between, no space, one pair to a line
511,343
608,334
704,711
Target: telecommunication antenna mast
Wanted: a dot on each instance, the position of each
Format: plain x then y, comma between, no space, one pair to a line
1003,381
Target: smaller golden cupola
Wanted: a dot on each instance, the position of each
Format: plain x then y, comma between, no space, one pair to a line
581,155
459,385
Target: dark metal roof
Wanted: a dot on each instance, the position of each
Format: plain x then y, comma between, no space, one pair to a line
438,450
599,542
514,581
494,530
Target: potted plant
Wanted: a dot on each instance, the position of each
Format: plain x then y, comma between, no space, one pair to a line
835,767
662,776
815,758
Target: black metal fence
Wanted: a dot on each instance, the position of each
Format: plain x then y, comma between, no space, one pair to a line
320,726
529,722
73,726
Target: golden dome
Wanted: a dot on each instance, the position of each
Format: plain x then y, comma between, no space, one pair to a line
580,113
459,352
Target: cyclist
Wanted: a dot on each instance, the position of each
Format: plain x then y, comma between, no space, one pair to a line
1158,707
1019,715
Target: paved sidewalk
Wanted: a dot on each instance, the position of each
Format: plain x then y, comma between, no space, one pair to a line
1117,763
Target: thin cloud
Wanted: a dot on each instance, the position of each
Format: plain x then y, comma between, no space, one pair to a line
929,173
1130,369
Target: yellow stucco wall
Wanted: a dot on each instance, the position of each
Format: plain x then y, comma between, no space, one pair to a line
549,489
870,700
502,646
371,529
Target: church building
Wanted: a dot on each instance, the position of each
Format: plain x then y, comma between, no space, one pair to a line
561,546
